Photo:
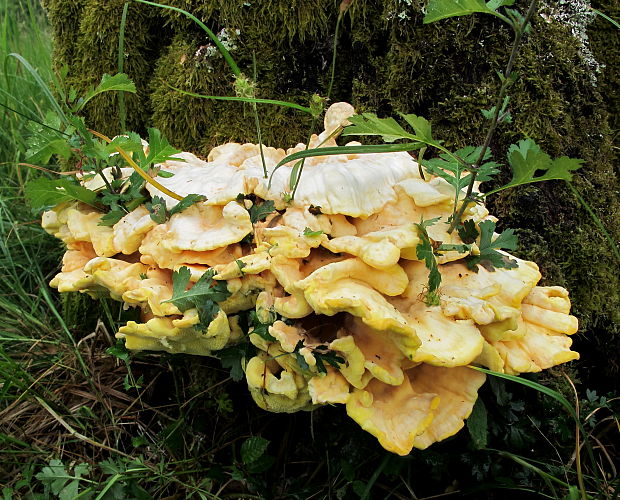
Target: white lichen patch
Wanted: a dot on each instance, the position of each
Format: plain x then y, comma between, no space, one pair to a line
576,15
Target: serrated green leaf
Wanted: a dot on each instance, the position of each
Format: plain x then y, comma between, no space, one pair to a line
62,483
526,158
503,117
118,82
43,193
202,295
186,202
112,217
425,252
301,361
327,356
42,156
468,231
369,124
253,448
157,209
160,149
456,173
477,425
489,257
180,281
233,358
427,223
207,311
442,9
259,212
261,329
421,126
119,350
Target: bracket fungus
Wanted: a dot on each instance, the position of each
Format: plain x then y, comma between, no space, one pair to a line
333,283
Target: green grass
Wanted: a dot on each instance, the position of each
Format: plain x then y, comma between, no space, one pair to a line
76,420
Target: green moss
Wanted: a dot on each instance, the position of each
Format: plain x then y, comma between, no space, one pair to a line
286,21
86,34
64,18
79,311
605,44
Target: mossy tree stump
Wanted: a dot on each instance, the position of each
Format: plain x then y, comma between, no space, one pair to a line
388,62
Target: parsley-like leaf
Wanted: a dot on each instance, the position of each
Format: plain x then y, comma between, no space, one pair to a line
489,257
260,212
301,361
390,130
160,214
202,295
421,126
157,209
425,252
186,202
504,115
468,231
160,149
118,82
112,217
58,147
455,172
323,356
369,124
207,311
261,329
526,159
234,357
62,482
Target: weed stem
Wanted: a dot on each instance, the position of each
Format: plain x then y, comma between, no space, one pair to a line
506,82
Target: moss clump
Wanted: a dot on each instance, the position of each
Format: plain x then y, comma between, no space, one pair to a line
199,124
605,44
387,61
86,34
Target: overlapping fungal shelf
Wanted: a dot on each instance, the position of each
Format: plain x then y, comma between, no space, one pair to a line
335,281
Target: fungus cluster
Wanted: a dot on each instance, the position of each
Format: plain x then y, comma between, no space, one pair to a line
330,282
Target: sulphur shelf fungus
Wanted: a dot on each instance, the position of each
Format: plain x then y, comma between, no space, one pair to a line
335,289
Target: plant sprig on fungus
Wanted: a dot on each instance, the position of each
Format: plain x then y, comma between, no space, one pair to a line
466,167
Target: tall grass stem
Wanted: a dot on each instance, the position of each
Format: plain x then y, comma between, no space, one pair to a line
122,112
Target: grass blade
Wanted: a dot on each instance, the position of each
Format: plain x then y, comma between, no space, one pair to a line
224,51
246,99
43,86
606,17
122,112
532,385
610,241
